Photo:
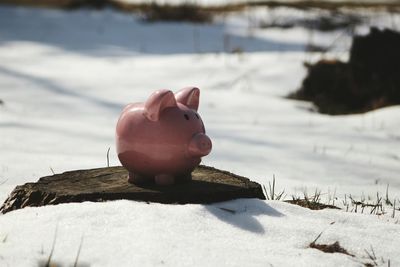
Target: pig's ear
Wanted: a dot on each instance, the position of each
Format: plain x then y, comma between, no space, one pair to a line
157,102
189,96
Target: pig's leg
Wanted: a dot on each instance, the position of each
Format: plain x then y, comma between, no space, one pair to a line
137,179
164,179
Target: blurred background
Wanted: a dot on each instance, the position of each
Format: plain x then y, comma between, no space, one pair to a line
306,91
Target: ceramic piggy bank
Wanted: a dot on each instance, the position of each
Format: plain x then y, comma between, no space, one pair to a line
163,139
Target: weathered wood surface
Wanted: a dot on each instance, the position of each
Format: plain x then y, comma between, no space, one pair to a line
208,185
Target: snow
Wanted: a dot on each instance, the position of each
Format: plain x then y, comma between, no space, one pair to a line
64,78
122,233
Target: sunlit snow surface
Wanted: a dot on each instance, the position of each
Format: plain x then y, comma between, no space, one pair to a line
64,78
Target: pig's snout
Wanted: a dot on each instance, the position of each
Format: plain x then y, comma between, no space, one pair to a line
200,145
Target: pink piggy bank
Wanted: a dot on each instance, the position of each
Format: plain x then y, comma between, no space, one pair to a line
163,139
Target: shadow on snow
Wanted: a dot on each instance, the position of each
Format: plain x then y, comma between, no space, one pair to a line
242,213
109,33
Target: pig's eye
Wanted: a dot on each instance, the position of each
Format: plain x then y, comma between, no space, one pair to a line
186,116
197,116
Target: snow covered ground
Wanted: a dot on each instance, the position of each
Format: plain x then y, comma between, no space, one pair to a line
64,78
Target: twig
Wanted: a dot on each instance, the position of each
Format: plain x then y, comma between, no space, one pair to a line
51,169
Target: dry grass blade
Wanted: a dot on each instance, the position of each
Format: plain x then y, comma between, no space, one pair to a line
315,240
108,157
48,262
79,252
372,256
387,200
270,193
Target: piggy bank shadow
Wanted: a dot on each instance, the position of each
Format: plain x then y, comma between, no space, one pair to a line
239,212
243,213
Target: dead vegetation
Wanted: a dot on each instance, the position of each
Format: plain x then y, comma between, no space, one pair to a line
369,80
312,205
185,12
330,5
378,206
49,262
270,193
198,13
337,248
311,202
332,20
331,248
374,260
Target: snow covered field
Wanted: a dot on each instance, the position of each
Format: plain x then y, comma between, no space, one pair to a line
64,78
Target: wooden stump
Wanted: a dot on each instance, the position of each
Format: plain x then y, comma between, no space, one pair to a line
208,185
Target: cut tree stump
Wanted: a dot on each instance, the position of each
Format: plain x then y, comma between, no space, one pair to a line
208,185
